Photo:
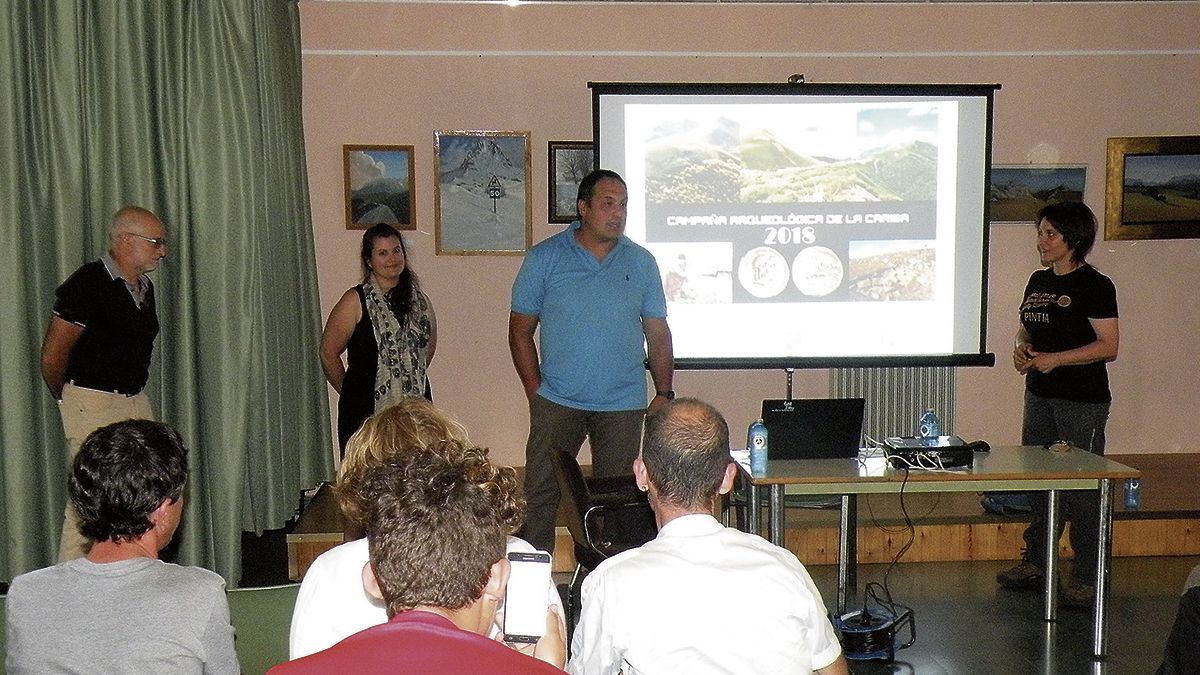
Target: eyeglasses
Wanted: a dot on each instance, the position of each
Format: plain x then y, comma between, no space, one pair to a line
157,242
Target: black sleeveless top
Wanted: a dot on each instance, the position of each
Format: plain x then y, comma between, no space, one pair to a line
357,400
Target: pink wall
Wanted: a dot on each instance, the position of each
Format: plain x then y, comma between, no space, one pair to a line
1072,75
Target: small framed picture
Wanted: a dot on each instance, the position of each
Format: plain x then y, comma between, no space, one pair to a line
379,186
569,162
483,194
1019,191
1152,189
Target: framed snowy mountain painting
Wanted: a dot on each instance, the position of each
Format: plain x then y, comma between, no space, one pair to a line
482,204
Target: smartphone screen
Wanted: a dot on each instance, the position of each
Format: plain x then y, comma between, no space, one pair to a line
527,596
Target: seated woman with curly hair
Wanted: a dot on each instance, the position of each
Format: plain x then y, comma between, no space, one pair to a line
332,603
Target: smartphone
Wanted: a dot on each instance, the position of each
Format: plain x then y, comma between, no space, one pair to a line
526,597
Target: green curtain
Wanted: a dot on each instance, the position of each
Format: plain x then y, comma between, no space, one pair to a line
193,110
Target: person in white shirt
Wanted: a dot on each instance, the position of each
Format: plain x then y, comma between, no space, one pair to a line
650,610
332,604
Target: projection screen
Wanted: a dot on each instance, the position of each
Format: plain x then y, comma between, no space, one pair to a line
809,225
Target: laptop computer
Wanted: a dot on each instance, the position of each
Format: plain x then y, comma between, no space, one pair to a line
813,428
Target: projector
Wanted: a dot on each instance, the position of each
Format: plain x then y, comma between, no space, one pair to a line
943,452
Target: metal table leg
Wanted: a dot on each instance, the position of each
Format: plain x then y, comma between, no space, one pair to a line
1050,582
850,505
753,515
845,530
1104,539
775,512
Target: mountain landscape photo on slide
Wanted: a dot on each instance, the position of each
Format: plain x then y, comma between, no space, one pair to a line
470,218
724,162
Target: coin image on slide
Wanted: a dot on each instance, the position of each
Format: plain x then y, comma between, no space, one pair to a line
817,271
763,272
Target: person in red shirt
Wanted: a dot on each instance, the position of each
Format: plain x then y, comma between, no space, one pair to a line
437,536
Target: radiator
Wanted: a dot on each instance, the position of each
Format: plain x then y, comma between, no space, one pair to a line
896,397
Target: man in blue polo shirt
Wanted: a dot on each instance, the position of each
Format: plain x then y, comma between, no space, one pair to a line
598,301
96,352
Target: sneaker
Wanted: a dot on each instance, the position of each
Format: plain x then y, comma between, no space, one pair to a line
1006,503
1025,576
991,504
1077,594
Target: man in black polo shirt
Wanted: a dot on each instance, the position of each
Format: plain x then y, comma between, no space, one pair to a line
96,353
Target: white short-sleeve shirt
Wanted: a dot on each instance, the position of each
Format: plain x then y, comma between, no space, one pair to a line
702,598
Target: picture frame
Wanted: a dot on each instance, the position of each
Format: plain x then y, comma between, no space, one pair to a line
482,202
1018,191
1152,189
379,186
569,162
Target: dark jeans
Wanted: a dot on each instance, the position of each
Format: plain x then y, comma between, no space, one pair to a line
1081,424
615,438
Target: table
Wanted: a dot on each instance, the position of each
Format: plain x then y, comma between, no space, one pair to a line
1002,469
319,529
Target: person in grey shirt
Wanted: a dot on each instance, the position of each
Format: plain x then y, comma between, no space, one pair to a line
121,609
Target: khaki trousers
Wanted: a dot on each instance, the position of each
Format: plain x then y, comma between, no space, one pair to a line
83,411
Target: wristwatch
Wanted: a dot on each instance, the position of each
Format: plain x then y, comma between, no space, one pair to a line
668,394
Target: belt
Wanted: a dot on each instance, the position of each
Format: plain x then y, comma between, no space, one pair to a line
107,390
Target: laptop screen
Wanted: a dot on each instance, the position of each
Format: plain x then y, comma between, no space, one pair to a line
813,428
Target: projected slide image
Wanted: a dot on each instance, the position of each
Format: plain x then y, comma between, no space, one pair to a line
692,174
763,272
889,155
696,274
813,213
888,271
817,271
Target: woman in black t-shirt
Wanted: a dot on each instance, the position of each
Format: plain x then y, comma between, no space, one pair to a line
1068,332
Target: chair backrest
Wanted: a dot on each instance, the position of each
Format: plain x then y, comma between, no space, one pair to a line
605,515
575,491
262,619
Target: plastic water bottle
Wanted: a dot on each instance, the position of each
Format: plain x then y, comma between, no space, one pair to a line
1133,494
756,442
929,427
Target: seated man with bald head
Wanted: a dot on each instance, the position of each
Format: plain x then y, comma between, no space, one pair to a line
700,597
